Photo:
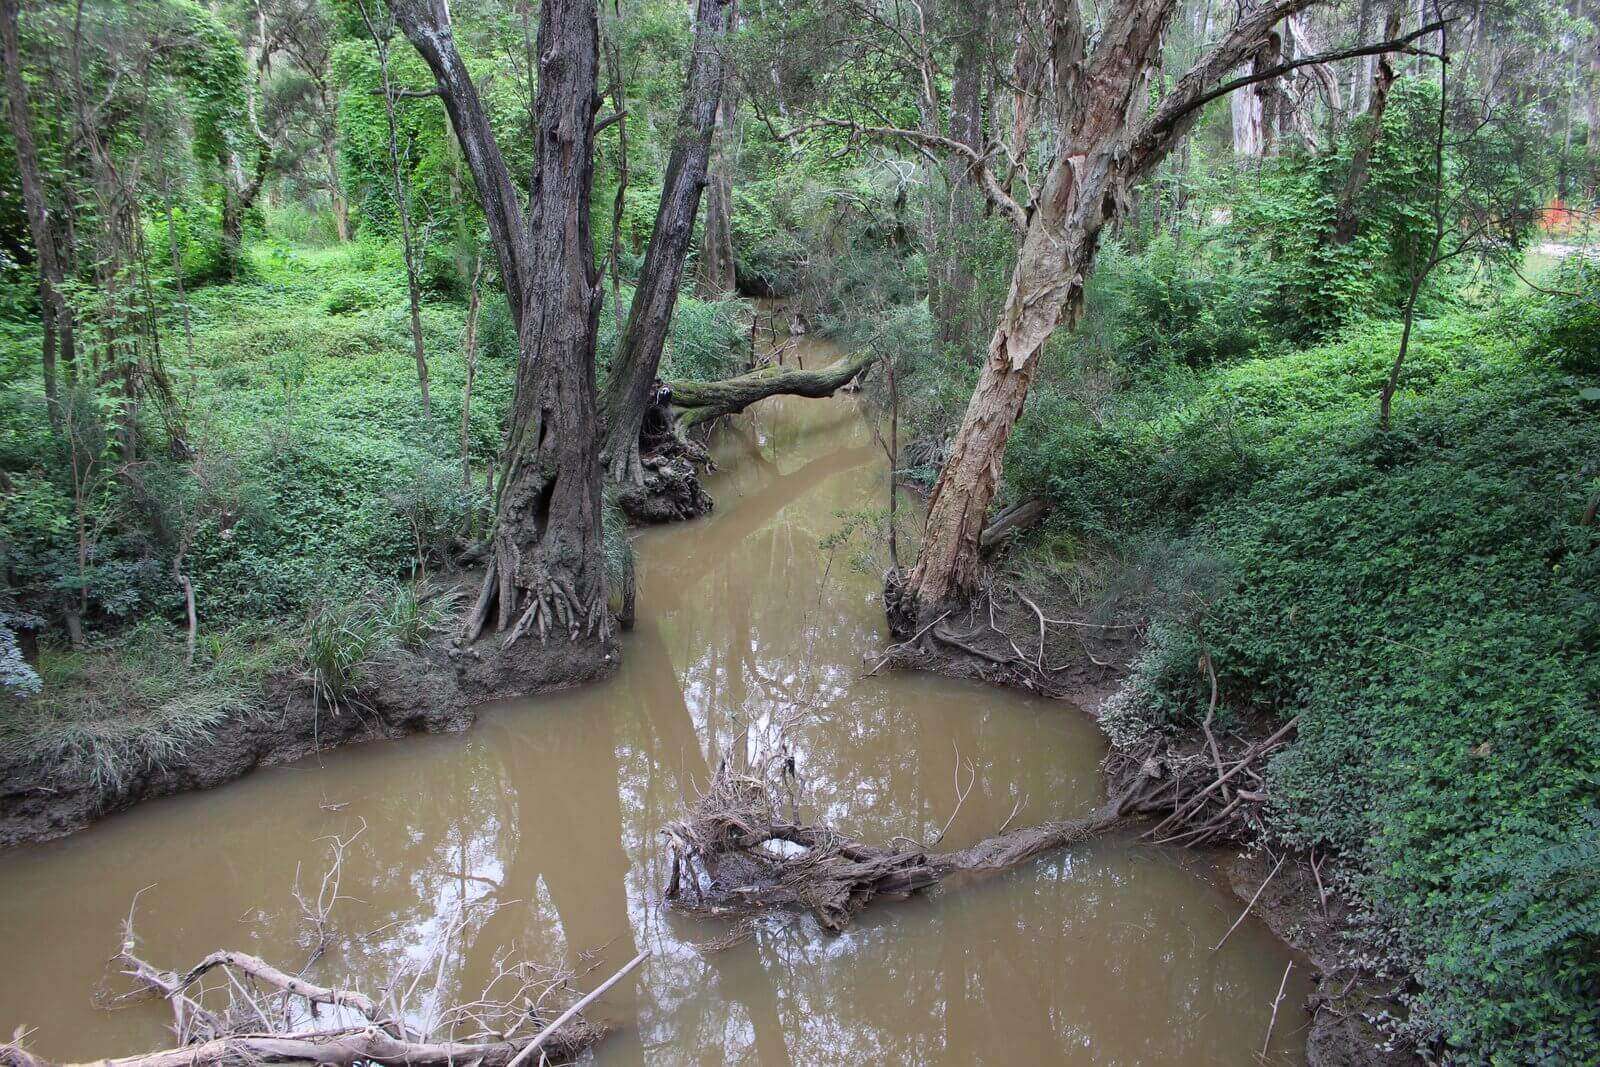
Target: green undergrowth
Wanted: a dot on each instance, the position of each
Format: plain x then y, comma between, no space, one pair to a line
1426,598
314,479
132,705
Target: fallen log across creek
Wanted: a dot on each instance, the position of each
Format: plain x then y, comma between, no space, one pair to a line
742,850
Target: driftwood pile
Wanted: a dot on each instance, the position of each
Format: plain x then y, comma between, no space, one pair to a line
258,1013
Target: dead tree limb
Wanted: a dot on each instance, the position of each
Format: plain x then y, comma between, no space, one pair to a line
697,402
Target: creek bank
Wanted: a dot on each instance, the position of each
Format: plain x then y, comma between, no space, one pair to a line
1006,641
433,689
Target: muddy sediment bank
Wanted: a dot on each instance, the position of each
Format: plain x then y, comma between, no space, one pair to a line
436,689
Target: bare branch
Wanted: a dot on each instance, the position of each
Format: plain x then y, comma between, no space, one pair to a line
977,162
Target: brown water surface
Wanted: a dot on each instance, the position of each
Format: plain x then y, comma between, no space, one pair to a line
542,823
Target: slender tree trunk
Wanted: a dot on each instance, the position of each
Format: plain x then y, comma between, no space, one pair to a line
55,314
717,263
1420,272
336,199
1592,95
1346,219
174,246
546,576
952,285
474,306
629,391
619,101
402,204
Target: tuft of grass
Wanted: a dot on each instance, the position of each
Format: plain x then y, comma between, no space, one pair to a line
412,615
343,638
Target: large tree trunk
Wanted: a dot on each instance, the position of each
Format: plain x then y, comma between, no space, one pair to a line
55,314
1105,147
633,372
717,263
546,575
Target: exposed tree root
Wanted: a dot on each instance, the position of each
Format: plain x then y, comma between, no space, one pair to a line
668,486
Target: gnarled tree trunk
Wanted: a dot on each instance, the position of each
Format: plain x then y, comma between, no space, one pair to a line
629,387
546,575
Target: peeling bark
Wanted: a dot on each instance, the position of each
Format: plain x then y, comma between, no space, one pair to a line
1107,143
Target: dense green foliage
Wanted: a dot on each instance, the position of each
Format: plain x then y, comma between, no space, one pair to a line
1424,598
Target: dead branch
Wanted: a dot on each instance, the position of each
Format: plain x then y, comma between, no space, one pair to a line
1259,890
503,1027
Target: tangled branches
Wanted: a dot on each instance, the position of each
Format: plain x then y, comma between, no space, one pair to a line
743,848
740,851
1205,795
259,1013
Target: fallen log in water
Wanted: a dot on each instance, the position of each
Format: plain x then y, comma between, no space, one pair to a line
696,402
736,835
755,857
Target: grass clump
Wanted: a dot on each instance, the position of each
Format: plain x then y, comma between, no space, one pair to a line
343,638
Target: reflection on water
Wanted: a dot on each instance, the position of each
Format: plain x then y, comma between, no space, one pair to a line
538,829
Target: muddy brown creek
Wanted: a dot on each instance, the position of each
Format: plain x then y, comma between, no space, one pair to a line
542,824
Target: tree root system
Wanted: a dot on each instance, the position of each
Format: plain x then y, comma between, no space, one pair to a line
670,490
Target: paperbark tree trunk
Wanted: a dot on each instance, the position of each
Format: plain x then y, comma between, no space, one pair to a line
1105,147
628,388
546,574
55,314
